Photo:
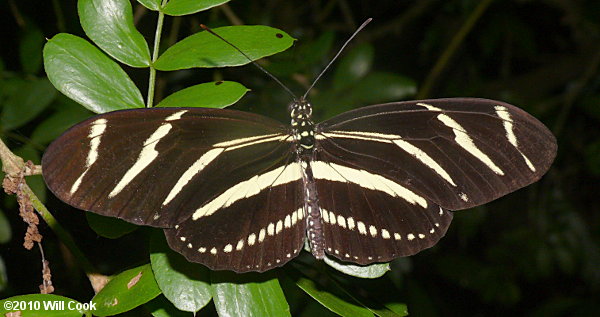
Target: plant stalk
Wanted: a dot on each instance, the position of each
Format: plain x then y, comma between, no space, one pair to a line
13,165
456,41
155,51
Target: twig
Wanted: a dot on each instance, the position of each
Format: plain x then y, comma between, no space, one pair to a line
15,12
398,25
347,13
139,13
60,16
231,16
46,287
16,169
456,41
572,94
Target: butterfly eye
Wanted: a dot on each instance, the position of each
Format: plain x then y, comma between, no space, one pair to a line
293,109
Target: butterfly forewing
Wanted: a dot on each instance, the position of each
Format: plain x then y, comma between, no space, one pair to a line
158,166
457,152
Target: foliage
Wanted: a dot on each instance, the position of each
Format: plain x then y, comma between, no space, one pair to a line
534,252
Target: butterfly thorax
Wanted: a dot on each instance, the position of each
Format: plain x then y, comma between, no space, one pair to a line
303,126
303,130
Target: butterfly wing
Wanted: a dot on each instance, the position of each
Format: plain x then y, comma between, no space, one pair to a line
219,179
261,229
397,168
369,217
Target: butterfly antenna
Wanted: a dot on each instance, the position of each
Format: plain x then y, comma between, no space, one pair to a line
362,26
206,28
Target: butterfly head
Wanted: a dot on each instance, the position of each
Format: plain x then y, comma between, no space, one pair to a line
300,110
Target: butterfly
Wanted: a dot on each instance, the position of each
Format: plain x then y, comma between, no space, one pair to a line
239,191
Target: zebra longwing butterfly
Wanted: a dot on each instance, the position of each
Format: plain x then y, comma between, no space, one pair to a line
239,191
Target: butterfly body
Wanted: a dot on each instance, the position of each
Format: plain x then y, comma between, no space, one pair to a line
303,130
242,192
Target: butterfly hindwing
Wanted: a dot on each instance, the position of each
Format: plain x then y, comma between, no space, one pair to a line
256,225
368,217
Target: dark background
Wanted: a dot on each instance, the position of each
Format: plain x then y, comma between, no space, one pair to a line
534,252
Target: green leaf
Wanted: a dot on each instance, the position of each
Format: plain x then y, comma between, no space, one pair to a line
69,114
351,293
36,305
383,87
318,50
10,86
3,275
338,305
209,95
302,58
398,308
368,271
592,157
376,87
109,23
161,307
83,73
126,291
30,49
26,103
109,227
183,7
206,50
354,66
589,105
153,5
183,283
248,295
5,229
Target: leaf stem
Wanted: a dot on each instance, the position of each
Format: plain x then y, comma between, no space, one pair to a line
456,41
157,34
